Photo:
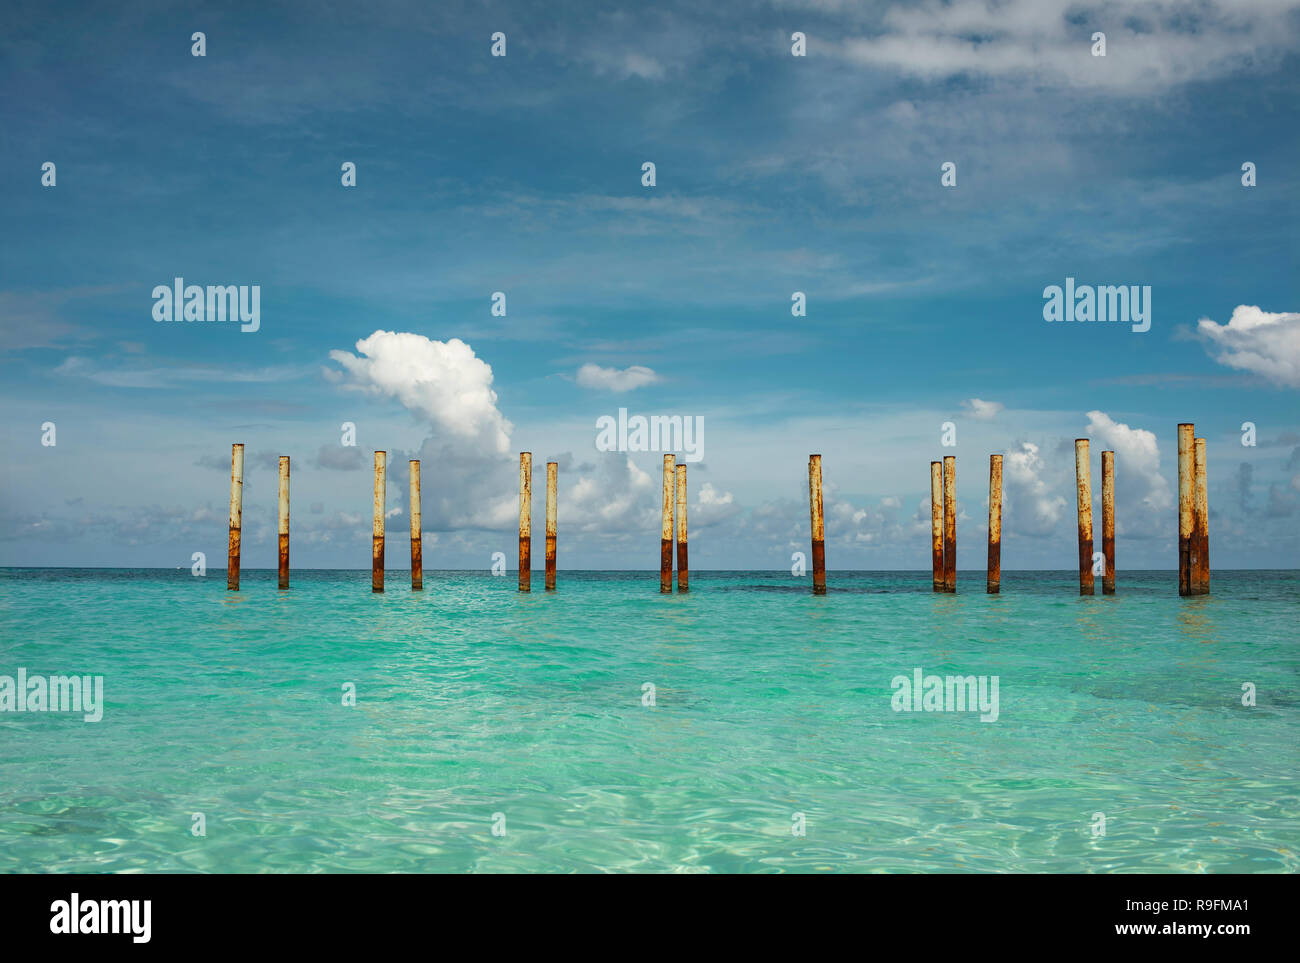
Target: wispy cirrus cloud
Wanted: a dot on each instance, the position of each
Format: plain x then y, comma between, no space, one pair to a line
1149,47
141,376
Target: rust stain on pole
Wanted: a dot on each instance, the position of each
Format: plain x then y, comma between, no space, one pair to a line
1186,485
950,523
1200,551
936,525
284,521
525,521
236,515
377,541
417,530
1108,521
683,569
666,535
995,525
1083,491
552,471
818,520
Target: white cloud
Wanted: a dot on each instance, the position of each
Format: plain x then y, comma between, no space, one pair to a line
1029,506
1259,341
711,496
1149,46
712,507
448,387
639,65
1142,495
443,381
470,439
617,497
612,379
982,410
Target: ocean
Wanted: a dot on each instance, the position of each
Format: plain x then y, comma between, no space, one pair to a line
747,726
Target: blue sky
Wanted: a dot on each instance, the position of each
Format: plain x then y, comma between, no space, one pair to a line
523,174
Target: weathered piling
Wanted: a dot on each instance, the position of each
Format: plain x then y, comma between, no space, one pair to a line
1200,550
683,568
284,521
1108,521
936,525
666,532
1083,492
525,521
818,524
417,534
377,539
552,470
949,523
236,515
1186,486
994,585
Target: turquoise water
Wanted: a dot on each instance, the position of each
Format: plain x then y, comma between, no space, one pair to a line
474,700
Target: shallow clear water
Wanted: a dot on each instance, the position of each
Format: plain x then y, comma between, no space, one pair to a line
474,700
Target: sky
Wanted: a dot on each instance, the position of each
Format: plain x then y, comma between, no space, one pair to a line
522,175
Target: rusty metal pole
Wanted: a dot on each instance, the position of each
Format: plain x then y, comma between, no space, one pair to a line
284,521
1200,525
417,530
1186,485
950,523
525,521
1083,491
236,515
1108,521
552,470
818,520
377,539
936,525
683,569
994,585
666,533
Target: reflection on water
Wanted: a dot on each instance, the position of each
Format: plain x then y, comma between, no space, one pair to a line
1195,619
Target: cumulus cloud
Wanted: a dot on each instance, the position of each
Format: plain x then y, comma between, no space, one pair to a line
1138,481
711,496
1258,341
612,379
616,497
712,507
1030,505
448,387
442,380
982,410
